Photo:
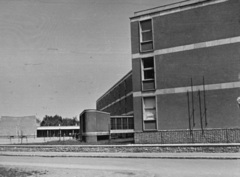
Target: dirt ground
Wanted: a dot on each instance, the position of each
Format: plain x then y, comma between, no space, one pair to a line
11,171
24,171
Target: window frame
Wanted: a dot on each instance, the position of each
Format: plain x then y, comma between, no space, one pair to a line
155,120
145,31
148,69
149,108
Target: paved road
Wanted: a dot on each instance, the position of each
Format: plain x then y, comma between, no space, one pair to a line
72,166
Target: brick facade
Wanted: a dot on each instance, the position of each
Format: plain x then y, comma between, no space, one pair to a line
189,43
118,100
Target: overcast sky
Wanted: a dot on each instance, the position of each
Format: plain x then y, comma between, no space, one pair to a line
60,56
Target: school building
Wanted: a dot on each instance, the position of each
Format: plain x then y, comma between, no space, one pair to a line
184,83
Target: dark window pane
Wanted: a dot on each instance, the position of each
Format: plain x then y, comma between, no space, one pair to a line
146,46
125,126
130,123
146,25
149,74
147,36
148,63
119,123
113,127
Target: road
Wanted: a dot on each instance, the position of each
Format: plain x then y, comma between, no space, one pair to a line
123,167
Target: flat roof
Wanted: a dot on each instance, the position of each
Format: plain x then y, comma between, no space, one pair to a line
93,110
171,6
59,128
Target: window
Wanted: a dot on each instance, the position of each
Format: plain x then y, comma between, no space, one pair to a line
125,123
113,124
149,106
148,74
146,39
125,87
119,123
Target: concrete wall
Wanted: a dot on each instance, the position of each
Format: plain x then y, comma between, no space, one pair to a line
102,122
92,124
18,126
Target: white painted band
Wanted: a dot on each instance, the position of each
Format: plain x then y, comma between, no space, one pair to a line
219,86
107,133
117,101
58,128
95,133
129,113
188,47
123,131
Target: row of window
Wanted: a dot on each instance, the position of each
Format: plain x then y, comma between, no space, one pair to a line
122,123
121,107
148,75
118,92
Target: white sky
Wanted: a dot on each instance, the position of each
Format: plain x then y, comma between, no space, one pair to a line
60,56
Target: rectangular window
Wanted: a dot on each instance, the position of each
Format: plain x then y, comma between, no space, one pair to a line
125,87
149,105
146,38
113,124
119,123
125,123
148,74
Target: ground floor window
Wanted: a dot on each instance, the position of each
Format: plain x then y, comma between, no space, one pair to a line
149,113
149,108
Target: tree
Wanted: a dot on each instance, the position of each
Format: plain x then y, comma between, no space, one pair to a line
59,121
51,120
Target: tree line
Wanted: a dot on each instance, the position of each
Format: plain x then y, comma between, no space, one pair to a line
58,121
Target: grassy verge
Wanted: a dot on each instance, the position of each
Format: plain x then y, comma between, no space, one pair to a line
18,172
76,142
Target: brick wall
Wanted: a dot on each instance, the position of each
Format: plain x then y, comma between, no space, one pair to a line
118,99
217,64
184,136
195,25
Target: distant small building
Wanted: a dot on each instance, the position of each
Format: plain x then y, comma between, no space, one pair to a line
94,125
58,131
18,126
98,126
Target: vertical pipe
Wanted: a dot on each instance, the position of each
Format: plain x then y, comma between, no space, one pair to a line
189,114
192,104
204,99
200,109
